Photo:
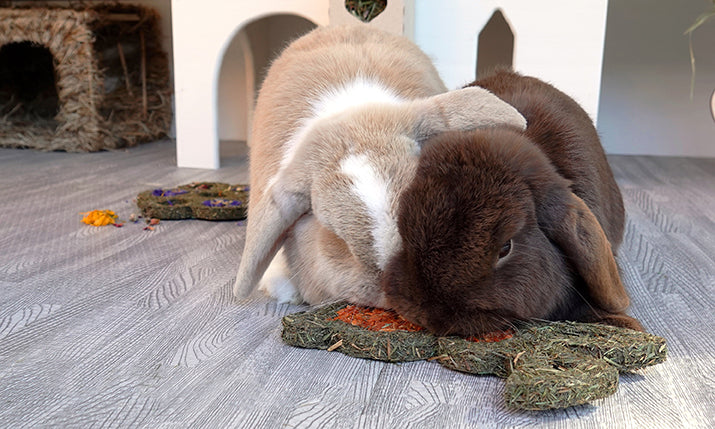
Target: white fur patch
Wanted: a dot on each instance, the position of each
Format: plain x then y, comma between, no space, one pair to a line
276,281
372,190
358,92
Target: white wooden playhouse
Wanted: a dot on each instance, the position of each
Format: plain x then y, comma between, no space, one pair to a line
222,49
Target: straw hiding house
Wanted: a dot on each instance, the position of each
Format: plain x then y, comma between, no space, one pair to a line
82,78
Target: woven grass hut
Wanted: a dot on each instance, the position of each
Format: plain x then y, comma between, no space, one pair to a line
82,78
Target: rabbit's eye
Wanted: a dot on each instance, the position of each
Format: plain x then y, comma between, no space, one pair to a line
505,249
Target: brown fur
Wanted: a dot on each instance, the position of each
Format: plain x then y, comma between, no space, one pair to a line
548,189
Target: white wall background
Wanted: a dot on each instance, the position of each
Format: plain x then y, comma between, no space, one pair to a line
645,106
559,41
233,93
267,37
202,33
645,92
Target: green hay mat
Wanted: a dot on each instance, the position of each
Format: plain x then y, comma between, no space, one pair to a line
546,365
201,200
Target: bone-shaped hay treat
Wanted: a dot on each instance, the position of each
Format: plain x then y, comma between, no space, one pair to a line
546,365
201,200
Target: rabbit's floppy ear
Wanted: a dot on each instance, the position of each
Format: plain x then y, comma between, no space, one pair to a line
566,219
462,110
285,200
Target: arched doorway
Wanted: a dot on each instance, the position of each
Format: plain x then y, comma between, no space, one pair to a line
243,68
495,46
28,92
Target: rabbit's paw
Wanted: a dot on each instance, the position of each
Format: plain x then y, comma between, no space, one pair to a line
276,281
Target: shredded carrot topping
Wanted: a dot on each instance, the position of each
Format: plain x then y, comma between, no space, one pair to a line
380,320
492,337
375,319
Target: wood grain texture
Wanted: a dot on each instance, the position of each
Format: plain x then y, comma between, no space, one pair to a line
121,327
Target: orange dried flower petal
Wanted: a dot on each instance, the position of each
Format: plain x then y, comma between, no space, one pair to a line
99,217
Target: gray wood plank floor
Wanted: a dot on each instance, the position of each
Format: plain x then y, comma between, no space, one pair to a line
121,327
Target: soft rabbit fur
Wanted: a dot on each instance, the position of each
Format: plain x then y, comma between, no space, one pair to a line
337,130
503,224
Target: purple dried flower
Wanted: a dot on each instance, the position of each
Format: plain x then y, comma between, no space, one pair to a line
168,192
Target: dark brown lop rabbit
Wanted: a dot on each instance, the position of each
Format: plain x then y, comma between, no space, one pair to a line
501,224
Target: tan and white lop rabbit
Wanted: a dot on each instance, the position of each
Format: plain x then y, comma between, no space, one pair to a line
338,128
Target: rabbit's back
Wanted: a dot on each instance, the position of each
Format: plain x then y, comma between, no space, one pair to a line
320,70
566,134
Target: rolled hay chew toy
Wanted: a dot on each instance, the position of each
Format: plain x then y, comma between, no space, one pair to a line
546,364
202,200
